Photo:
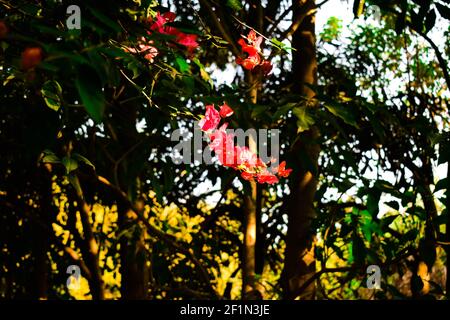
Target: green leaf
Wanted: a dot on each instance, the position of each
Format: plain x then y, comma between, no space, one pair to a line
183,66
80,158
51,92
75,182
372,202
48,156
304,120
281,111
70,164
258,110
236,5
280,45
89,88
342,112
277,43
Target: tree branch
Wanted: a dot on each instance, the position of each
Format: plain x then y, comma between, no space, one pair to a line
220,27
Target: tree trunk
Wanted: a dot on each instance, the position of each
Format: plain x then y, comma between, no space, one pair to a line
249,286
41,243
299,262
447,235
133,266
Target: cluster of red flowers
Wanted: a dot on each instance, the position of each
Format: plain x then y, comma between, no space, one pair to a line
159,25
254,61
233,156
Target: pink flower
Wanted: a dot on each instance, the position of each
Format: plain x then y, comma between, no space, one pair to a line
211,119
219,136
239,158
246,157
222,143
225,110
254,40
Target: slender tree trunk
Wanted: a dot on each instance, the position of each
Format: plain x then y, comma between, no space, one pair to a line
248,268
260,249
88,244
299,262
249,286
92,253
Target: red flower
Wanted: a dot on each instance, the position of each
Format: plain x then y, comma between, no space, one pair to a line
253,59
267,177
225,110
160,24
211,119
282,171
31,57
3,29
188,40
252,47
247,176
239,158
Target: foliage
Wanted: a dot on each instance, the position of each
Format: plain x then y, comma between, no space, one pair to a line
87,177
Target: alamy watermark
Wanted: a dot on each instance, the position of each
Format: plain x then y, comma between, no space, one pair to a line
191,149
374,277
74,19
73,281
